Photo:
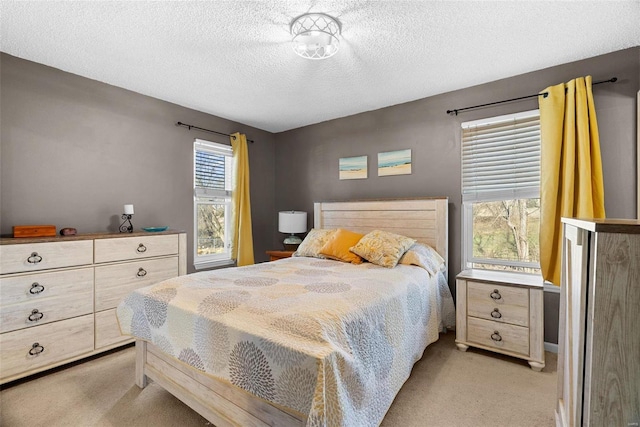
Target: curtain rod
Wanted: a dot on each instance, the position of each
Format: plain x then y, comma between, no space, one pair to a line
544,94
207,130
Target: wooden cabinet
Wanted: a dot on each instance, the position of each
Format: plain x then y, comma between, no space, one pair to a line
276,255
599,331
501,312
58,295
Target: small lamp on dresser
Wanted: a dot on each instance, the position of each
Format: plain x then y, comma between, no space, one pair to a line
292,222
126,226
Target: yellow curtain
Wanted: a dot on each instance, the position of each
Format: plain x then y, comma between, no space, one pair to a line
242,246
571,182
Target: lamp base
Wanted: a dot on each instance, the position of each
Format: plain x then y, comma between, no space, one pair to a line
292,242
126,226
288,247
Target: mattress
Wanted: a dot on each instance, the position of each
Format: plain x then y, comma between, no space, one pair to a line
330,340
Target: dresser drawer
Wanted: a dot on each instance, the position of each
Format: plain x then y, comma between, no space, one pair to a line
507,337
108,330
55,342
38,286
114,282
508,304
42,256
46,310
127,248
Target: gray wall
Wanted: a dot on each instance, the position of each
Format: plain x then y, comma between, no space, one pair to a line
74,151
307,158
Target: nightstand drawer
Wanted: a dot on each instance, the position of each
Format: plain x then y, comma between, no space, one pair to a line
276,255
498,335
507,304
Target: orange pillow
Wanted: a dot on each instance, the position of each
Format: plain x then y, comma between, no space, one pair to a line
337,247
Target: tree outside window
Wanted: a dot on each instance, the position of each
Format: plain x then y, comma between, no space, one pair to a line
501,193
213,171
506,230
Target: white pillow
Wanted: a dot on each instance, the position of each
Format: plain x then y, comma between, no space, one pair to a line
424,256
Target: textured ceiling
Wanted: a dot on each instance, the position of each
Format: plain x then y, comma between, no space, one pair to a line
233,59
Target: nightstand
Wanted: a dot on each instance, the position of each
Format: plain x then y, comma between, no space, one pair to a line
276,255
501,312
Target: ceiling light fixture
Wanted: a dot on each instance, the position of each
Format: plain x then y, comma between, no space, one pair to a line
315,35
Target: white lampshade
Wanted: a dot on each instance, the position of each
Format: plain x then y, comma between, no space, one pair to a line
292,222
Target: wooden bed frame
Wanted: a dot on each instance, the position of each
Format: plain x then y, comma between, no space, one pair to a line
224,404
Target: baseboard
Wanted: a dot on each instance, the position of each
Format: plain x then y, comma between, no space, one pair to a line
551,347
550,287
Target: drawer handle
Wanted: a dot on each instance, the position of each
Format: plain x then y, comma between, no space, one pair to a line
495,295
36,288
34,258
496,313
496,336
141,272
141,248
36,349
35,315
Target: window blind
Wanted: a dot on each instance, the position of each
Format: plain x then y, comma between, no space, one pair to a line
501,157
213,164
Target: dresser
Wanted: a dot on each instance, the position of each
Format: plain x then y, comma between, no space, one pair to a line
58,295
502,312
599,329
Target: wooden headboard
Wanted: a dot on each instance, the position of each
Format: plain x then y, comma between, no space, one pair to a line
424,219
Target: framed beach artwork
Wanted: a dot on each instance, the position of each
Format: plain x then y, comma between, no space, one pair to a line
353,167
394,163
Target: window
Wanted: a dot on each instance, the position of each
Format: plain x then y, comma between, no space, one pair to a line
501,193
213,171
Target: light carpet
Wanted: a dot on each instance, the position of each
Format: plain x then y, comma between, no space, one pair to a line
447,388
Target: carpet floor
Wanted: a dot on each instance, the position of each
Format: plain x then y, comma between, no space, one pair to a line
447,388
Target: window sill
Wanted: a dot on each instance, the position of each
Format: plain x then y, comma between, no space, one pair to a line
204,265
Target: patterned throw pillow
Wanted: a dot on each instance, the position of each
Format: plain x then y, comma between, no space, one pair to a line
337,247
382,248
424,256
315,240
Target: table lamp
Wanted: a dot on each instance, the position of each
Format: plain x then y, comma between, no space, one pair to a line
292,222
126,226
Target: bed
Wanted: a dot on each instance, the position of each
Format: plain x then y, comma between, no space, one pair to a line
299,341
